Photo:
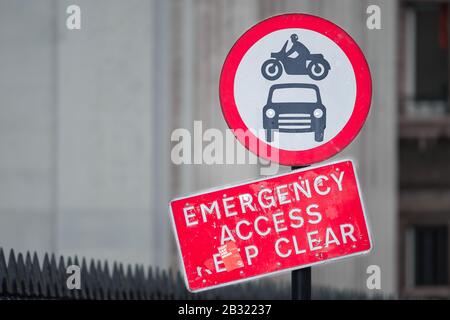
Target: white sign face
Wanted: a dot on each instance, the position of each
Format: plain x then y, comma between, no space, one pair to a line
337,90
299,85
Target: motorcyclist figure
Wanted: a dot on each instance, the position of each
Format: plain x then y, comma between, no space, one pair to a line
298,60
300,49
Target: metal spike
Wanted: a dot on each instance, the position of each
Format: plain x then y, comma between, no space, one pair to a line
3,273
11,285
23,288
62,278
54,277
46,278
85,292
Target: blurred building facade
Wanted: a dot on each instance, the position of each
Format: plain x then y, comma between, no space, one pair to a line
86,118
424,132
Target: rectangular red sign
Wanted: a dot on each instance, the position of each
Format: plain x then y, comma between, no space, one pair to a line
286,222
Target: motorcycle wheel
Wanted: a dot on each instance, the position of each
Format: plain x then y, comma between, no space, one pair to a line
271,69
317,70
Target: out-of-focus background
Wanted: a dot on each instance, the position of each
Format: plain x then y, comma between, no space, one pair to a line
86,118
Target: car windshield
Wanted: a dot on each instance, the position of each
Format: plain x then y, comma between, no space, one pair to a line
307,95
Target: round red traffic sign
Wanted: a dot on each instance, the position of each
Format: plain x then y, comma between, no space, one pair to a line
299,86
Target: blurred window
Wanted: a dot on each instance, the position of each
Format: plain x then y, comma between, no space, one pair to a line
431,52
431,255
427,57
305,95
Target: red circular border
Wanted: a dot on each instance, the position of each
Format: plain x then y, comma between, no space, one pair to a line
351,50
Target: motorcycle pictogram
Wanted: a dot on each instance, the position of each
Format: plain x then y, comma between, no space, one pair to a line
305,63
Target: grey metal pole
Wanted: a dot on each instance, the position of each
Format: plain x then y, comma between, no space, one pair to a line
301,279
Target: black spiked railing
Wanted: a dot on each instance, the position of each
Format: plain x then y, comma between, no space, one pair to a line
25,277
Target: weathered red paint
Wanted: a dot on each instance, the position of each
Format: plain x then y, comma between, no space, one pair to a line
317,216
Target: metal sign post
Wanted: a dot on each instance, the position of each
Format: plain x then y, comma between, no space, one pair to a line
301,278
301,284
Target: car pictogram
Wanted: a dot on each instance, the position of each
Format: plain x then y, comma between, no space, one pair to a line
304,113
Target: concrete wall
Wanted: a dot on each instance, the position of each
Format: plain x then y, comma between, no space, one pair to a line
27,118
105,137
78,142
86,117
